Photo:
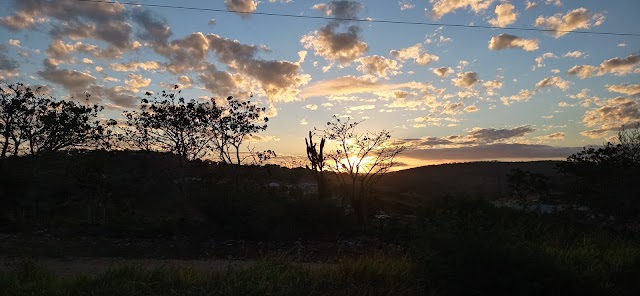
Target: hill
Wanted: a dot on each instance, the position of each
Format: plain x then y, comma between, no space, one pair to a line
474,179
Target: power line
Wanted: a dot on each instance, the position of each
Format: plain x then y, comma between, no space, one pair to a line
379,21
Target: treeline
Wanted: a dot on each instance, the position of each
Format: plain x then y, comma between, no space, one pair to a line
33,124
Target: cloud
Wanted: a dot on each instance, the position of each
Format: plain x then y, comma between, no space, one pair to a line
416,53
627,89
620,66
505,15
327,42
351,85
615,66
8,66
443,71
613,114
29,13
584,71
59,52
553,137
492,85
222,83
136,82
6,63
134,66
120,98
466,79
490,135
405,5
540,59
579,18
361,107
278,80
239,6
574,54
73,81
442,7
452,108
156,30
15,43
378,66
522,96
554,81
342,47
504,41
472,108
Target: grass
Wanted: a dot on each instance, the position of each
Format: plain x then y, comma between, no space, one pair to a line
276,276
472,248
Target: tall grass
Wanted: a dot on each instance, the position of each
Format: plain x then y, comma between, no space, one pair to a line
276,276
472,248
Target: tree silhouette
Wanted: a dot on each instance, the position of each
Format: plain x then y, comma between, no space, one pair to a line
194,129
607,176
238,121
169,123
359,161
33,124
317,159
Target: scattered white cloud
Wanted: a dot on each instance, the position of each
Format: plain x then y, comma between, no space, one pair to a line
579,18
443,71
466,79
615,66
505,15
627,89
442,7
416,53
554,81
504,41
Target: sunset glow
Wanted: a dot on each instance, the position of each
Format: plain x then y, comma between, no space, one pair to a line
448,93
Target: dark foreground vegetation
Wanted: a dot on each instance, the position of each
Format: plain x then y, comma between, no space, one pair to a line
450,246
458,248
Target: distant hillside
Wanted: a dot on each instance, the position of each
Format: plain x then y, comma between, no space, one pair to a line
485,179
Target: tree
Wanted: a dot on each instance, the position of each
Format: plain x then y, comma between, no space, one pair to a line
317,160
194,129
13,101
359,161
239,120
33,124
607,176
169,123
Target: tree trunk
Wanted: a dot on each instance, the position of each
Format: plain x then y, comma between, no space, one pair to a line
5,145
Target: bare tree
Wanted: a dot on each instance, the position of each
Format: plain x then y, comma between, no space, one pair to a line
359,161
239,120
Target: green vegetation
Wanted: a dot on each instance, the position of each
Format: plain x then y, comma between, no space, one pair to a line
364,276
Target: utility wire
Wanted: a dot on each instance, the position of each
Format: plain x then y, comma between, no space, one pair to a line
366,20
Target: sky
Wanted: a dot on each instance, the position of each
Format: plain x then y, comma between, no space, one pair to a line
448,93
